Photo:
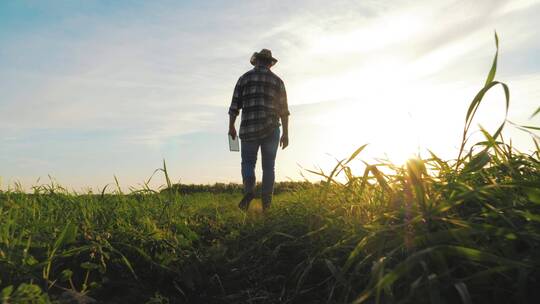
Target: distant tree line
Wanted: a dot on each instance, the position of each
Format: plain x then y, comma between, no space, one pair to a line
279,187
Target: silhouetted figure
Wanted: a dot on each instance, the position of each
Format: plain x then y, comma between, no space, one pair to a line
261,96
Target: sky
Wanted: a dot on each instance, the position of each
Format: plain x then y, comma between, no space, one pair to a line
90,90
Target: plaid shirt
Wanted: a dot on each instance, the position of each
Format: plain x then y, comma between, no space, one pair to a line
261,96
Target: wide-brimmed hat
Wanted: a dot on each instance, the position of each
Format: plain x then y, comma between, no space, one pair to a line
263,54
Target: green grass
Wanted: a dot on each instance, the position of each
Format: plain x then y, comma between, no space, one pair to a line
465,230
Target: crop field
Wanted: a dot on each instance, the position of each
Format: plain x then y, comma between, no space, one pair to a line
464,230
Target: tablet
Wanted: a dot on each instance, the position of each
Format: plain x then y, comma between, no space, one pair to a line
234,144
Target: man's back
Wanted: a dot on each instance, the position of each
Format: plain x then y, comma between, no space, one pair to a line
262,97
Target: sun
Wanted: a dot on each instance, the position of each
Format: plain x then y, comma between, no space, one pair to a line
370,115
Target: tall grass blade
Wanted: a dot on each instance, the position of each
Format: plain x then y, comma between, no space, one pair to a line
463,292
493,70
535,112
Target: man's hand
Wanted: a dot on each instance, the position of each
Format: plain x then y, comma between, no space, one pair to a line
232,132
284,141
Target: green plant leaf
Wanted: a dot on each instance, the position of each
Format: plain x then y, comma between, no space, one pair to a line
463,292
477,162
535,112
493,70
355,153
533,194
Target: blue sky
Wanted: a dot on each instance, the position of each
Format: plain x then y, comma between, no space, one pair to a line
92,89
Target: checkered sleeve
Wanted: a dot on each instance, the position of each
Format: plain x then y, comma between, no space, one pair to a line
283,106
236,103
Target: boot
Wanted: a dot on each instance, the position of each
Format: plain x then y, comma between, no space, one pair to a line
244,203
266,202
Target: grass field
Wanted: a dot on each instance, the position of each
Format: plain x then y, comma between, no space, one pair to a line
465,230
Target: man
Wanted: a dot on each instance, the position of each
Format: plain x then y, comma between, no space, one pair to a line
261,96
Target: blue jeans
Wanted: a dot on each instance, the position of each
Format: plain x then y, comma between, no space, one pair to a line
249,151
